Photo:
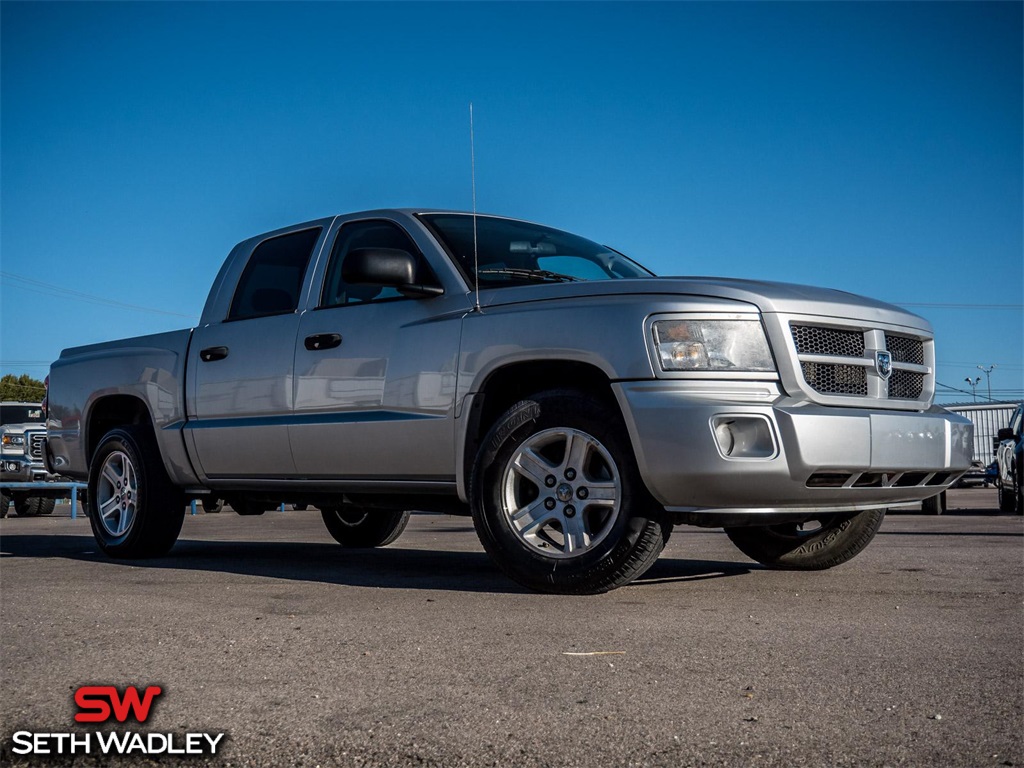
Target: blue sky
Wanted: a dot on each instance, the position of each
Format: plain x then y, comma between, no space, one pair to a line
872,147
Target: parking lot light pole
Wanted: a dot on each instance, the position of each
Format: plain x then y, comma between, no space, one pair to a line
974,386
988,377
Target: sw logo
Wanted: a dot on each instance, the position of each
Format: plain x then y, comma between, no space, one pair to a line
98,703
103,704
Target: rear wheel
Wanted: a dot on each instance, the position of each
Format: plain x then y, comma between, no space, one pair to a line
935,505
32,506
812,545
135,510
212,506
357,527
557,499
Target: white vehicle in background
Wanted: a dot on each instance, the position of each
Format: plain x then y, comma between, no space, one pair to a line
22,432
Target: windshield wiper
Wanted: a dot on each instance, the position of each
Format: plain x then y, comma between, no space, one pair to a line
532,274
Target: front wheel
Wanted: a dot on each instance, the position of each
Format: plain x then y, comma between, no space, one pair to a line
356,527
812,545
557,499
135,510
5,504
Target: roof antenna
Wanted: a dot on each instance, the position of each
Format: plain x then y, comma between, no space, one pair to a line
476,256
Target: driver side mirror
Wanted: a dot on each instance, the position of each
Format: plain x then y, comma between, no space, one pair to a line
390,267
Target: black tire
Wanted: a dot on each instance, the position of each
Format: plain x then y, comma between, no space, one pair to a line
5,504
1018,486
212,506
1007,499
83,499
247,507
934,505
599,528
134,509
355,527
32,506
812,546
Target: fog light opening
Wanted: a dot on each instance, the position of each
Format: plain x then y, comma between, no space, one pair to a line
744,437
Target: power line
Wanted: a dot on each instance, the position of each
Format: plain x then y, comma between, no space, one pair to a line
1007,394
49,289
975,365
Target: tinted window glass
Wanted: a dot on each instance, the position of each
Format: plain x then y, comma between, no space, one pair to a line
367,234
272,280
20,414
512,252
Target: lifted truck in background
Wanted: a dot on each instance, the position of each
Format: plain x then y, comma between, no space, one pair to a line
22,434
575,405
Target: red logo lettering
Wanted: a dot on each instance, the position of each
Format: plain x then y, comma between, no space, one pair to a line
96,703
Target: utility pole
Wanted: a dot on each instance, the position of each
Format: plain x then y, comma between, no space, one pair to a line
974,386
988,377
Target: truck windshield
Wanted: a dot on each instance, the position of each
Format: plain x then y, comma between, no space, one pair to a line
20,414
516,252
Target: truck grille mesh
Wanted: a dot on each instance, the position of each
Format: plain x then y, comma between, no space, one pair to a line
814,340
906,385
840,361
831,379
905,349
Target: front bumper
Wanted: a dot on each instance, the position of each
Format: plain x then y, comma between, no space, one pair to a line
18,469
805,458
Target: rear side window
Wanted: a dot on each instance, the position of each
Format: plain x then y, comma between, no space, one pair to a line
272,280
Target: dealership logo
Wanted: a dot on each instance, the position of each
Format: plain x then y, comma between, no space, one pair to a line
98,703
104,704
883,364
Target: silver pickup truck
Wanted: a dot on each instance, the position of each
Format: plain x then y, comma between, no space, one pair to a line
22,432
577,406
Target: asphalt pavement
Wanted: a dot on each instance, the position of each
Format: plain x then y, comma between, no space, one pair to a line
423,654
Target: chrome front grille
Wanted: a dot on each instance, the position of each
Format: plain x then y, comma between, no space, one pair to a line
840,363
35,445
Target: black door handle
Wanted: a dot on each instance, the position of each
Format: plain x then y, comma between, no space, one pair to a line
320,341
210,354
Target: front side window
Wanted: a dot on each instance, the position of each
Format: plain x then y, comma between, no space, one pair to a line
367,234
272,279
513,252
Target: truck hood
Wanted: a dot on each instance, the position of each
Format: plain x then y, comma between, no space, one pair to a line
20,429
766,296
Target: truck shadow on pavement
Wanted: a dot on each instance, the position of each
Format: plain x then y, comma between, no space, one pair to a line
389,568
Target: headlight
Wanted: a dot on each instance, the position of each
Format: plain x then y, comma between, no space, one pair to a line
712,345
13,443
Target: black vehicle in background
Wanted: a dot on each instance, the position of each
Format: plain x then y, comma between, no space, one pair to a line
1010,476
